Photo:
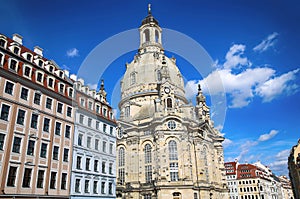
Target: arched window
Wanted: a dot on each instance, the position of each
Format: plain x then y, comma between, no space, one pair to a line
173,150
156,36
158,74
147,35
169,103
176,195
148,150
132,78
121,157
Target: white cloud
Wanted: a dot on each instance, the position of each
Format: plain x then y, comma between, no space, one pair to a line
279,166
73,52
278,85
266,43
283,155
234,57
267,136
227,142
244,149
242,86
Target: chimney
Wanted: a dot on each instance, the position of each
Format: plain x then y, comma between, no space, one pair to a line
81,81
67,73
38,50
73,77
17,38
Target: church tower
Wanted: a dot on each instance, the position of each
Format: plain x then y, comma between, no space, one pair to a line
166,147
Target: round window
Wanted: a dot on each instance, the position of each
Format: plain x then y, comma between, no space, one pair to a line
172,125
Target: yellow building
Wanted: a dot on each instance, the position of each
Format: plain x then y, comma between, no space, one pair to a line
294,169
166,147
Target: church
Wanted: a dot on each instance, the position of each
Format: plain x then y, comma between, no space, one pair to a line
166,147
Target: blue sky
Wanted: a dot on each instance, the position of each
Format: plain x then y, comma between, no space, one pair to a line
253,44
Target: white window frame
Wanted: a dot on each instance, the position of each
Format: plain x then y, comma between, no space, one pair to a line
63,90
2,59
9,63
12,94
5,41
28,93
36,76
30,73
53,85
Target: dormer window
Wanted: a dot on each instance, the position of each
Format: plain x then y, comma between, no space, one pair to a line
2,43
61,74
40,63
16,50
51,68
29,57
13,65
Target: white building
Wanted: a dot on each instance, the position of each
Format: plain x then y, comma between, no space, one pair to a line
94,157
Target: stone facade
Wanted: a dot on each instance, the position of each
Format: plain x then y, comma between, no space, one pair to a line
294,169
166,147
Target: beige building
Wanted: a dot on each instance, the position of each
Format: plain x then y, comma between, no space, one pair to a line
287,191
294,169
166,147
36,121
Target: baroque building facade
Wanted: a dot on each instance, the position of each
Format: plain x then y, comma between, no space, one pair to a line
166,147
294,169
57,137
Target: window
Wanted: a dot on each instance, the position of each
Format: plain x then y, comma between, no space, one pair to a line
195,196
11,176
2,43
50,83
104,128
49,103
16,50
127,111
37,98
111,146
34,121
66,155
87,164
147,196
90,105
156,36
171,124
169,103
61,88
81,117
27,177
17,145
146,35
29,57
13,65
43,153
96,165
104,146
173,150
110,168
97,108
81,102
46,124
69,111
70,92
86,186
89,122
158,73
80,138
4,112
24,93
57,128
148,151
111,130
1,59
103,167
39,77
55,153
40,179
174,176
78,162
77,186
96,144
27,71
21,117
52,180
9,88
40,63
97,125
2,138
103,187
104,112
110,190
121,157
67,131
30,147
121,175
95,187
148,173
88,142
59,107
63,185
